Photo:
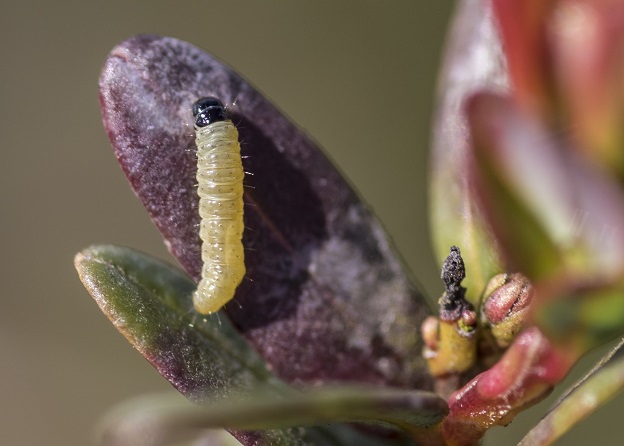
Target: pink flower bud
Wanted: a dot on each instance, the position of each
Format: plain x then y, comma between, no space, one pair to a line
506,304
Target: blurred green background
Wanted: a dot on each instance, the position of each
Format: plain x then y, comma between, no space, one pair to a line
331,66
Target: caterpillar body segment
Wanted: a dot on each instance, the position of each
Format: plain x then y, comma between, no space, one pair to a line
220,189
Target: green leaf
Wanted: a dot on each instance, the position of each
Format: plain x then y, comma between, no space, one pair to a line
149,302
412,411
519,182
601,384
557,219
473,62
583,317
552,212
209,362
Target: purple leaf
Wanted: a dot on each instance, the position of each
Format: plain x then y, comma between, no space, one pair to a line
326,298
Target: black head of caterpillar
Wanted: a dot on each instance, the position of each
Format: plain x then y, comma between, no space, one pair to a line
220,189
208,110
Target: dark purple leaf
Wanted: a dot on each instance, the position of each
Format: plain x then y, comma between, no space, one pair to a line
326,298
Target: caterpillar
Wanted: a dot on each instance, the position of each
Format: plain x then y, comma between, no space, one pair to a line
220,189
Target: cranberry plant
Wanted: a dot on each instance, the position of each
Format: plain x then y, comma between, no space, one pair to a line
329,342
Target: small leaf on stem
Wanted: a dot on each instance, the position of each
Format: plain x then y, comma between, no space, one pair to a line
600,385
415,412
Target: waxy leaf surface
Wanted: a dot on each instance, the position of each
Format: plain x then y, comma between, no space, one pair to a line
325,298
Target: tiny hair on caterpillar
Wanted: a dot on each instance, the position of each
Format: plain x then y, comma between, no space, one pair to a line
220,189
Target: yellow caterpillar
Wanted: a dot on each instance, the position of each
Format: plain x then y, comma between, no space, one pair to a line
220,189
